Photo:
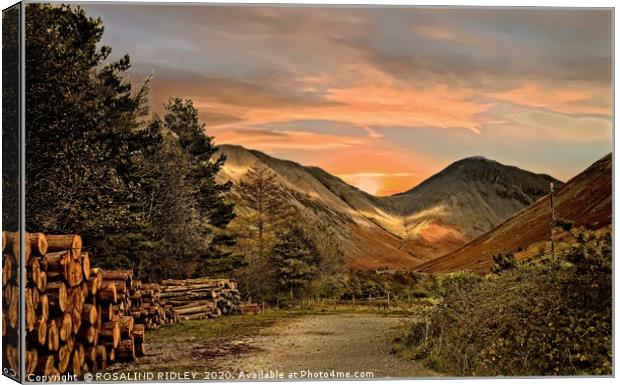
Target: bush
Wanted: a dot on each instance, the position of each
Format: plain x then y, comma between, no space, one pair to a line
550,318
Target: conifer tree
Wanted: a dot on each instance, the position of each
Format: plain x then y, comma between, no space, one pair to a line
297,260
268,213
214,208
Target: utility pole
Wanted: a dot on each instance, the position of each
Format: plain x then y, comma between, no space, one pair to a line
552,221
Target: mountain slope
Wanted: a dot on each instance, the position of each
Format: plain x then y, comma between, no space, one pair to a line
438,216
586,199
365,244
463,201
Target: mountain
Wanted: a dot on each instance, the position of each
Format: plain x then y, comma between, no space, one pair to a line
586,200
319,196
440,215
463,201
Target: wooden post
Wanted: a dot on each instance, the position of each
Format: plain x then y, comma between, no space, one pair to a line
388,300
552,221
263,306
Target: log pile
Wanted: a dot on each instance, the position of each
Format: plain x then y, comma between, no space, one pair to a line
201,298
147,306
10,304
77,318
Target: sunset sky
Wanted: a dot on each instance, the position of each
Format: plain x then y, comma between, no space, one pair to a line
382,98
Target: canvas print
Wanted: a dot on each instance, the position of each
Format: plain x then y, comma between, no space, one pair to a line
296,192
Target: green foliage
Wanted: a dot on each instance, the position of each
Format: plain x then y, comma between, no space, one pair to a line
296,259
548,318
503,262
141,192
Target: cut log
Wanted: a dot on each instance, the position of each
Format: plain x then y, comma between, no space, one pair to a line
39,335
76,317
138,338
102,356
65,327
36,297
110,332
86,265
42,285
125,351
126,326
57,296
38,243
87,334
62,357
29,310
118,275
43,308
56,264
16,247
65,242
45,365
90,355
52,336
111,352
14,306
89,313
7,271
77,360
74,272
32,360
107,293
32,272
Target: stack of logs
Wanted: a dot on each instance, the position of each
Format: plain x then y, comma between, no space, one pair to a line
77,318
147,308
201,298
10,304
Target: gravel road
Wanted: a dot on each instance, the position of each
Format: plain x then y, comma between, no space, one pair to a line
319,344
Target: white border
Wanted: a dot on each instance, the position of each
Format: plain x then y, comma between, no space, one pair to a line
494,3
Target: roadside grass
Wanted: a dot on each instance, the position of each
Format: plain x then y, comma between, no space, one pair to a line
222,327
233,326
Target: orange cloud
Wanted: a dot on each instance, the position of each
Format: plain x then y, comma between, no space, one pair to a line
563,98
365,106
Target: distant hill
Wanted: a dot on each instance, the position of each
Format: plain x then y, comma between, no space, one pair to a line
463,201
586,199
440,215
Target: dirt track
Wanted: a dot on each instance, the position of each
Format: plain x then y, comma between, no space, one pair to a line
322,343
318,344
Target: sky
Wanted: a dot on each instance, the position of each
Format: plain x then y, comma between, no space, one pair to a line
382,97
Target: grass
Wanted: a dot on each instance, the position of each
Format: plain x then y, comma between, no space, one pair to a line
227,327
222,327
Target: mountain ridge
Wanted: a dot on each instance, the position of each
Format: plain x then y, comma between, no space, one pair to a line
585,199
407,229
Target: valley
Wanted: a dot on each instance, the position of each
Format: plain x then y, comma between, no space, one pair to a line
439,216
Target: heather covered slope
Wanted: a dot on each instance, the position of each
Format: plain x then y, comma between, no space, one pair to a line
438,216
365,243
586,199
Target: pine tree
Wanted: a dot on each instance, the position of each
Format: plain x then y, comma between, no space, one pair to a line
268,212
296,259
83,127
142,193
211,197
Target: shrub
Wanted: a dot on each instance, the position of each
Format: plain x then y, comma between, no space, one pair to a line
549,318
